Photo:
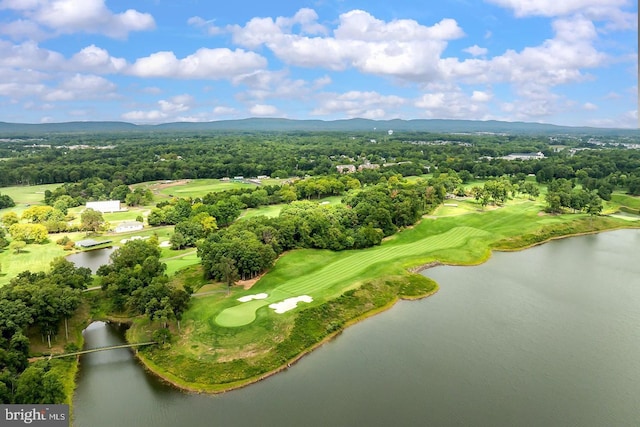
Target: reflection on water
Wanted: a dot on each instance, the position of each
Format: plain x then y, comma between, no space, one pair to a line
548,336
92,259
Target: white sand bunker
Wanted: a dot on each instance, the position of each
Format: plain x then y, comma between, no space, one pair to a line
289,303
166,244
252,297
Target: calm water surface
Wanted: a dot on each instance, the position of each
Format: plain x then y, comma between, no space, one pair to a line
92,259
545,337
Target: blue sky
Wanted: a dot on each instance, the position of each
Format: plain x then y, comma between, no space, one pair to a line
568,62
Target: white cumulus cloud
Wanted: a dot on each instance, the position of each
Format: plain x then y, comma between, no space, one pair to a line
81,87
87,16
369,104
476,50
400,48
98,60
170,109
263,110
205,63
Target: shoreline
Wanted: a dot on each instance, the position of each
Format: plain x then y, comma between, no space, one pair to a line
169,378
181,385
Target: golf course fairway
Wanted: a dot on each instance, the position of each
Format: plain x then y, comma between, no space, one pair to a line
225,343
328,281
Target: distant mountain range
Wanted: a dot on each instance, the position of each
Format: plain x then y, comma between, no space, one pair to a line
287,125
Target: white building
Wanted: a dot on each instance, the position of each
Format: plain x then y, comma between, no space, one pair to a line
105,206
125,226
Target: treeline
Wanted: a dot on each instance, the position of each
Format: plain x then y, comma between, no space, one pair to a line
70,195
137,158
135,283
247,248
40,304
561,193
36,303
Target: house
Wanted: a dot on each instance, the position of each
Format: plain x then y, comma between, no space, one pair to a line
368,165
104,206
524,156
346,168
125,226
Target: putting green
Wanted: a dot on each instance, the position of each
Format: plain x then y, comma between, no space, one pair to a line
242,314
329,281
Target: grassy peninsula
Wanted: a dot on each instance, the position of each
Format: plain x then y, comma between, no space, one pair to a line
212,354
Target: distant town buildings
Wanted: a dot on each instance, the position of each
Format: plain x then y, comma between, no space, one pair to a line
524,156
368,165
345,168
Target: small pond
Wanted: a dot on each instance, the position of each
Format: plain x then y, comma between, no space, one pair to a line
92,259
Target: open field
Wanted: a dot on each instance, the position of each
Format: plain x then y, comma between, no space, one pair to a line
37,257
237,340
198,187
24,196
33,258
202,187
270,211
130,214
33,194
632,202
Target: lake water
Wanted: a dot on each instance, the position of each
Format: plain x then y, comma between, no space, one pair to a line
92,259
545,337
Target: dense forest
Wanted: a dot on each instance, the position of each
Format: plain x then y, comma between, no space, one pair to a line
127,159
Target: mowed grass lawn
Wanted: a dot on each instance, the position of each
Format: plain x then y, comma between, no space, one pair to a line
202,187
37,257
225,342
632,202
198,187
463,236
24,196
32,194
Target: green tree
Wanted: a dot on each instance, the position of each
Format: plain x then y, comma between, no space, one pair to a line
139,196
10,218
531,189
29,233
39,385
120,193
177,241
3,240
37,214
91,220
6,201
17,246
594,205
179,300
64,202
64,273
228,271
